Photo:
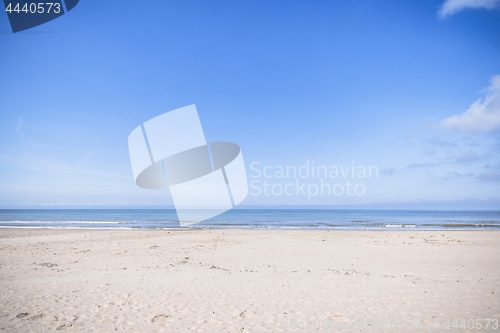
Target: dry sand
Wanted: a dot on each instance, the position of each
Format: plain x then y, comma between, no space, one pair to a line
246,281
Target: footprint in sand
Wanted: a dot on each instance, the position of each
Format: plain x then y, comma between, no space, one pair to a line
338,318
162,319
36,317
64,327
22,315
248,314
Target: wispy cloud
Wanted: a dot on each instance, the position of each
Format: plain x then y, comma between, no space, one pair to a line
421,165
436,141
490,176
388,171
455,175
467,158
20,124
482,117
54,167
90,153
450,7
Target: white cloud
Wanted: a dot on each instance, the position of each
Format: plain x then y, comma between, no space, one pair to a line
450,7
482,117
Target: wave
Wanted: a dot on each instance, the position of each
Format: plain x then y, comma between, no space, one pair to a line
400,225
70,222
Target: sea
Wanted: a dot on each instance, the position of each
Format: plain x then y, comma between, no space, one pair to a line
330,219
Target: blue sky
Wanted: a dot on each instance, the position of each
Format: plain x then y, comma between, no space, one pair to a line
407,86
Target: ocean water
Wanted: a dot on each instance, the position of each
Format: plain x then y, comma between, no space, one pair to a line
334,219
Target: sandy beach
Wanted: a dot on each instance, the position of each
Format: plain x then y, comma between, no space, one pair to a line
248,281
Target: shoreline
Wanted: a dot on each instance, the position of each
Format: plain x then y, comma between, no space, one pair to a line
332,229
